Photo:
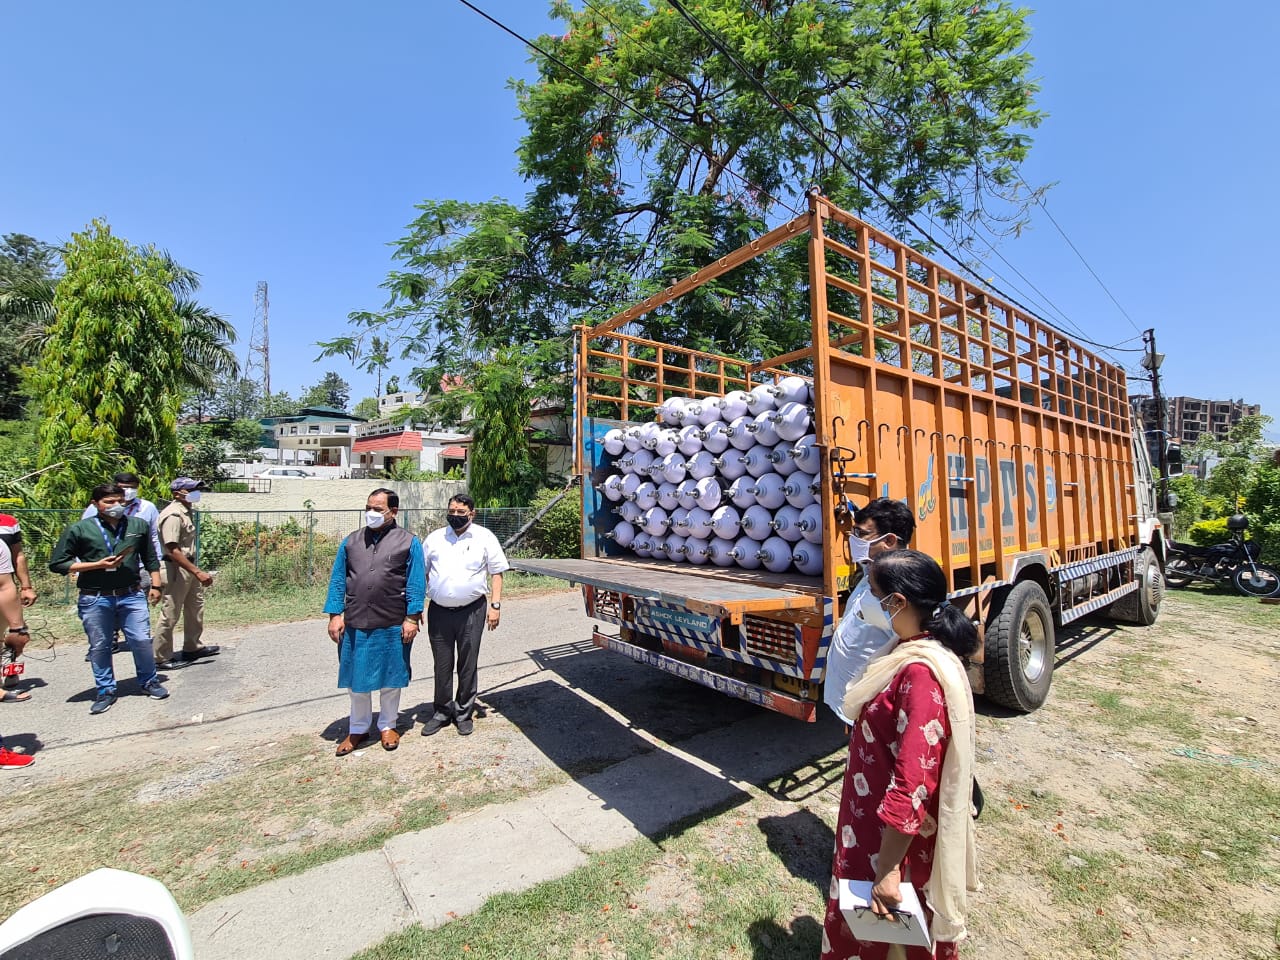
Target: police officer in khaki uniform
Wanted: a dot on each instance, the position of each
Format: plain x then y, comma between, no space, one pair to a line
185,582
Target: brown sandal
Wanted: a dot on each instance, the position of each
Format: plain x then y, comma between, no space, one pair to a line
15,696
353,742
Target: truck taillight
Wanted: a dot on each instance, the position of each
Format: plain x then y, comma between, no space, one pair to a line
770,639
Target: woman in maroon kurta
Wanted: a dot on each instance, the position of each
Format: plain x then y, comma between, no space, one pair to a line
889,803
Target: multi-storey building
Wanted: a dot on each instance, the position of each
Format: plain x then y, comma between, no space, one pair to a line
1187,419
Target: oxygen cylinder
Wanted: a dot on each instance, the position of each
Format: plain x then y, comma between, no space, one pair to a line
746,553
761,399
710,493
649,433
642,545
631,439
743,491
671,411
667,498
612,442
699,523
629,512
726,522
701,464
720,552
663,442
673,547
715,437
730,464
692,411
687,493
756,522
791,390
806,454
769,491
689,440
670,468
695,552
807,557
786,520
810,523
775,554
612,487
792,421
622,534
630,484
733,405
780,457
655,521
740,434
638,462
647,495
710,412
801,489
756,461
680,521
764,429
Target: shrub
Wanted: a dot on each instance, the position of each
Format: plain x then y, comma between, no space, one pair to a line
231,486
559,532
1208,532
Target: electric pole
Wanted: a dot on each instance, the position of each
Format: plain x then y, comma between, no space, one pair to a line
1152,362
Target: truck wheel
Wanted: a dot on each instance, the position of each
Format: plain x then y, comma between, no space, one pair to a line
1018,665
1143,605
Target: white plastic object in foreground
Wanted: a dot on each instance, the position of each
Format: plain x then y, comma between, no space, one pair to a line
104,891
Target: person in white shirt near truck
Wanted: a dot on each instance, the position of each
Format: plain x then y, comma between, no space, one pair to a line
460,558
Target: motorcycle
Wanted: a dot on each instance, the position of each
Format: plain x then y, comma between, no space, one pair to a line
1234,562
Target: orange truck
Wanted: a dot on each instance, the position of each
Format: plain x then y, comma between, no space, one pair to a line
1013,445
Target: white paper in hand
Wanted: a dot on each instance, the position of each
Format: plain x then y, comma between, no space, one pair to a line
908,928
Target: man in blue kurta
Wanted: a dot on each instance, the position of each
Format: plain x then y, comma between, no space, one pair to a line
375,601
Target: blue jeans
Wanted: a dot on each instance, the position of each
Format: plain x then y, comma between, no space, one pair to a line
102,618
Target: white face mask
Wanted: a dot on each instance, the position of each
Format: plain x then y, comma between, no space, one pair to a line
872,612
193,496
859,549
129,493
373,519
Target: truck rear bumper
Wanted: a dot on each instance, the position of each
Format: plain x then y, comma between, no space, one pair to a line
751,692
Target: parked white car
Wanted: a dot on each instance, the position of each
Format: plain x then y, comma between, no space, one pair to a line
283,473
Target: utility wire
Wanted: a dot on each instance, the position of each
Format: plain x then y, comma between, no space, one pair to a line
719,44
623,103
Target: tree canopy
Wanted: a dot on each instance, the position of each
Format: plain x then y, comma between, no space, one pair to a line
110,369
649,153
331,391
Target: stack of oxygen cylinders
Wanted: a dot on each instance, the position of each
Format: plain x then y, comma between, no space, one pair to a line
730,481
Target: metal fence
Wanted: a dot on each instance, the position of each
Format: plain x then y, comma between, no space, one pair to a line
255,549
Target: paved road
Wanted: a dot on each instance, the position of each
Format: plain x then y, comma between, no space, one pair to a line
538,670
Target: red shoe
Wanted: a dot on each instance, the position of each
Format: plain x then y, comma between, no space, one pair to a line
12,761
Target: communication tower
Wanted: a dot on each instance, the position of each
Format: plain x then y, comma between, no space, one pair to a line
257,365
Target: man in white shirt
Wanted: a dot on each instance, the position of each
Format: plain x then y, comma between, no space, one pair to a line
459,558
864,632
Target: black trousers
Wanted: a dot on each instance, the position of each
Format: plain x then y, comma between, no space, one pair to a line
455,633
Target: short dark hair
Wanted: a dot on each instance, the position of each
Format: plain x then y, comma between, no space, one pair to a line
463,499
919,578
393,498
106,490
889,516
126,477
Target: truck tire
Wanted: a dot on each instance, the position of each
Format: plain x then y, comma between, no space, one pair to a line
1143,605
1018,665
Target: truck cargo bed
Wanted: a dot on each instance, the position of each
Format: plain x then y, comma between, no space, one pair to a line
720,593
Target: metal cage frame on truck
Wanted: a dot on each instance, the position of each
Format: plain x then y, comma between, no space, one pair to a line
1012,443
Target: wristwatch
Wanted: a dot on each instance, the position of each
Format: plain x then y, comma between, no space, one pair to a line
496,606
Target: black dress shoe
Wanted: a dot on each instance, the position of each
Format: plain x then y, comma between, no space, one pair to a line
190,656
435,725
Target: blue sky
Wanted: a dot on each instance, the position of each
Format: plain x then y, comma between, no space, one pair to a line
289,143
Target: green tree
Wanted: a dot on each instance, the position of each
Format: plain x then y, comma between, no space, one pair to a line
27,273
331,391
244,436
201,454
366,409
931,100
110,369
1240,454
